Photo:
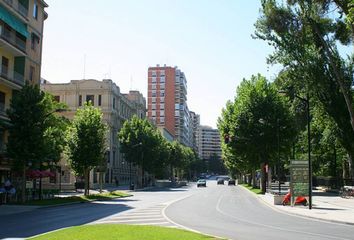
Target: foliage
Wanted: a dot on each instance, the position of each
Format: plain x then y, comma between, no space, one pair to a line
142,144
86,139
253,123
307,36
35,136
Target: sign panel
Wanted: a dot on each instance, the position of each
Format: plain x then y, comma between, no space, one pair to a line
299,179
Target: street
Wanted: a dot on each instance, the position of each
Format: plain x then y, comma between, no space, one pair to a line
231,212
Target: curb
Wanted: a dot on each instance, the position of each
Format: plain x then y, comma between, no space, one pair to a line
299,214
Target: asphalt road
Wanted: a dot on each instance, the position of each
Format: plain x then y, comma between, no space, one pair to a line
42,220
233,212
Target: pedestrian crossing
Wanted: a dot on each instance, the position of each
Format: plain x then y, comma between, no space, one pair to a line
146,216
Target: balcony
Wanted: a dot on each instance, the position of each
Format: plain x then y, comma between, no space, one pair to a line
9,37
16,78
19,8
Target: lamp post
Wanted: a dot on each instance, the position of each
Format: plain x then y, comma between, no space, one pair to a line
307,102
308,116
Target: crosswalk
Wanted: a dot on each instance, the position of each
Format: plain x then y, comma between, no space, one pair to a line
146,216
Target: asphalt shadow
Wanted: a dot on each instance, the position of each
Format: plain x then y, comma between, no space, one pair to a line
42,220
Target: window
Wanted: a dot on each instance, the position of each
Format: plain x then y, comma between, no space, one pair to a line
162,73
34,41
162,106
80,100
162,119
176,106
153,93
162,79
99,100
153,100
35,11
57,98
177,113
153,73
162,86
153,86
153,113
31,73
153,106
162,93
162,113
114,103
2,101
162,99
90,98
153,79
4,66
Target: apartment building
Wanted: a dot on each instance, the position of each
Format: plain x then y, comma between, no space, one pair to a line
116,108
209,143
167,102
21,35
195,124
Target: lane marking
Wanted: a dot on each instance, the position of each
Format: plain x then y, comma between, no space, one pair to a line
273,227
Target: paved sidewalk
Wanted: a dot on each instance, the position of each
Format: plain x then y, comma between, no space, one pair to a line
7,209
325,206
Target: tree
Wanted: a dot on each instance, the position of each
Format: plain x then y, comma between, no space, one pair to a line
86,139
306,36
30,134
143,145
252,123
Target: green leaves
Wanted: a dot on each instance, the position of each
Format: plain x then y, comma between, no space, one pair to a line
254,121
86,139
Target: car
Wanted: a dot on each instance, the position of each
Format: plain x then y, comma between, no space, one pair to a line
201,183
220,181
231,182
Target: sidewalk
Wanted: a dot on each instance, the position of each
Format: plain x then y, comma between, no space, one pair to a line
325,206
7,209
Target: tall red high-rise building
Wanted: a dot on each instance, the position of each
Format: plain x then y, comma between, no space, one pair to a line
167,102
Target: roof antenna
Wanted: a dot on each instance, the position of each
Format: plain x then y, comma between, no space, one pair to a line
84,66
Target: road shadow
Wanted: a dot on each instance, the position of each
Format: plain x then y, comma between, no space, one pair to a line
325,194
47,219
162,190
331,209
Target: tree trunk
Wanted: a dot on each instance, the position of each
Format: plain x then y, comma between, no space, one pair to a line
263,178
254,179
23,190
87,182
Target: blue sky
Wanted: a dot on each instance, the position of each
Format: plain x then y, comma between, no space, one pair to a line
209,40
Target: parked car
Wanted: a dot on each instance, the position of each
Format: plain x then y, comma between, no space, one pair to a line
220,181
201,183
231,182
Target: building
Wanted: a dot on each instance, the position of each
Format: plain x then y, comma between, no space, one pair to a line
116,108
209,144
21,35
167,102
195,124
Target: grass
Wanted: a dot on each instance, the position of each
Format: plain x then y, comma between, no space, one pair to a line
255,190
74,199
121,232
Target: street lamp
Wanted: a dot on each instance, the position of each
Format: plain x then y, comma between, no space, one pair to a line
307,102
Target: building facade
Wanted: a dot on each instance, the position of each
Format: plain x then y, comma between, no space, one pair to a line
21,35
195,124
209,143
116,108
167,102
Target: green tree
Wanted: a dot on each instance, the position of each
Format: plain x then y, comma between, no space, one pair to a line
31,140
306,36
253,123
143,145
86,139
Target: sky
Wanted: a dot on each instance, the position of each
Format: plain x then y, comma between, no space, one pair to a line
209,40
